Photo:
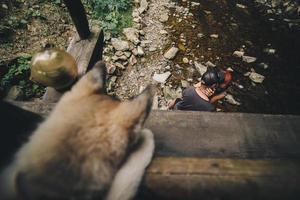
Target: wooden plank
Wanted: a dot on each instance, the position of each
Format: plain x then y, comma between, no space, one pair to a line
200,178
86,53
78,15
221,135
230,135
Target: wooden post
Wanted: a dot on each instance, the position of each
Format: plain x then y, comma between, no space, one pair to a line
79,18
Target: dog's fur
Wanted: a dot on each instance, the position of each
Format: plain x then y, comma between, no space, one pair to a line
83,150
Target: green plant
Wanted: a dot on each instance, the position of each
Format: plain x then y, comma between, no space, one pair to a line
114,14
18,74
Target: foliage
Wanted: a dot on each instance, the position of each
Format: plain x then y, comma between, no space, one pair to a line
114,14
18,74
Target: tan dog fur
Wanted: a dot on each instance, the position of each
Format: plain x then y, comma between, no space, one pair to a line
78,150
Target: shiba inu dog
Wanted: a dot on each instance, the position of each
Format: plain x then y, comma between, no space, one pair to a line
90,147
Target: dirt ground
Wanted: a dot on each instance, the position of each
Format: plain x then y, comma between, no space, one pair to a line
44,25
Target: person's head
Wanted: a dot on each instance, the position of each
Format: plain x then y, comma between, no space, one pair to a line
211,78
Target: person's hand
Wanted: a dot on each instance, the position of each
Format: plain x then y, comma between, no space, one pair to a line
209,91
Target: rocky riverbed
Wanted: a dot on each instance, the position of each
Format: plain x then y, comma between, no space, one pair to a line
173,42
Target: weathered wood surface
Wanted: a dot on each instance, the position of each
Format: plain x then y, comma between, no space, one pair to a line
86,53
202,155
197,178
78,15
219,135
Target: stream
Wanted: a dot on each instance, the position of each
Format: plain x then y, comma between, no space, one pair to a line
220,27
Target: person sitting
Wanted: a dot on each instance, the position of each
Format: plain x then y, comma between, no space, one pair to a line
202,95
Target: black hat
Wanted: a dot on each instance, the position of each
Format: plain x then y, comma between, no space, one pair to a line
212,76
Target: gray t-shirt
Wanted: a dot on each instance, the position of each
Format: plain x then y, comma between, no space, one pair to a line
192,101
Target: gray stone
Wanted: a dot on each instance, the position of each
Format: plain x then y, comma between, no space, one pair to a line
230,99
161,78
119,65
164,17
140,51
200,68
185,60
111,83
119,45
256,78
111,68
171,53
15,93
185,84
238,54
132,34
210,64
248,59
170,93
143,6
132,60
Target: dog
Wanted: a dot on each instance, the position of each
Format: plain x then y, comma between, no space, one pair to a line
91,146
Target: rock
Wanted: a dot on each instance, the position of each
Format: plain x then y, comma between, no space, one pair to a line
119,53
143,6
140,51
270,51
248,59
163,32
256,78
111,83
127,54
123,58
238,54
238,5
210,64
263,65
164,17
135,52
185,84
171,53
15,93
132,60
151,49
193,4
110,68
200,68
161,78
185,60
170,93
214,36
200,35
119,45
229,98
119,65
132,34
155,103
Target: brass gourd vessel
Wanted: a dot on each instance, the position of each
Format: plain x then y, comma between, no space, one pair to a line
54,68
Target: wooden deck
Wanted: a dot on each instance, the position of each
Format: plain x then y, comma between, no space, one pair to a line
201,155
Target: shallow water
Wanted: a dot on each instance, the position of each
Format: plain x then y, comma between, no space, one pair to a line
241,28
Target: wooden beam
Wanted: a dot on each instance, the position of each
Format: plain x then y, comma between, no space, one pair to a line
187,144
78,15
199,178
86,53
220,135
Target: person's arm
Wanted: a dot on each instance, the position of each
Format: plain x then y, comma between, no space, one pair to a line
217,97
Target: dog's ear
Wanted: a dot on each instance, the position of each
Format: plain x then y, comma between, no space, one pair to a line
93,81
133,113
